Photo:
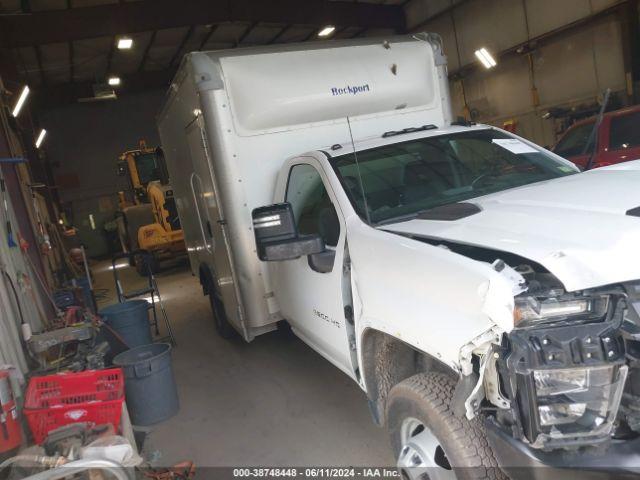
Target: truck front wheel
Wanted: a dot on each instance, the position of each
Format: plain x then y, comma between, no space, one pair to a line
428,438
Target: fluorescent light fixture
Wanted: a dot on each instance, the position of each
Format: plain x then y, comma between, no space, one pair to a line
113,81
485,57
43,132
125,43
326,31
21,99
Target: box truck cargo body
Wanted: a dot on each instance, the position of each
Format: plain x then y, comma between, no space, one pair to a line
482,291
233,117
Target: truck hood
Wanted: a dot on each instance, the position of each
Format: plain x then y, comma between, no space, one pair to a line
578,227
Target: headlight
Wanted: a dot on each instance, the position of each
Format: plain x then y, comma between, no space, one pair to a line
578,401
533,309
561,413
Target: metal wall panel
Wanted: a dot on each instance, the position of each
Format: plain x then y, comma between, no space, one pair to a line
574,67
418,10
494,24
608,54
505,91
546,15
565,70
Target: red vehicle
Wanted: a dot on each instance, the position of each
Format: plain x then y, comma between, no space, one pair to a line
618,139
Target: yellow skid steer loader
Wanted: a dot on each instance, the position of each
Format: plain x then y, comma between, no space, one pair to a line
148,219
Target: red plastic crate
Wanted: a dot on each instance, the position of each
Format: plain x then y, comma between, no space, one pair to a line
53,401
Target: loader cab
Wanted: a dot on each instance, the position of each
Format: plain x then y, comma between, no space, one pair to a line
141,167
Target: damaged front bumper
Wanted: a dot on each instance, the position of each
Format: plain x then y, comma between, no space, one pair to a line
620,459
574,395
566,382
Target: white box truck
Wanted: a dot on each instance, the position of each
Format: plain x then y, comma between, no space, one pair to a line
481,290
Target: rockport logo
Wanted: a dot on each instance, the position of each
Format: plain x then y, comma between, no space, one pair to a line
349,90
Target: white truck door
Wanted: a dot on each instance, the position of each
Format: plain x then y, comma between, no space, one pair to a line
311,296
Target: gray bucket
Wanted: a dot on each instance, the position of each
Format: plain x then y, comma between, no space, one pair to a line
130,320
150,387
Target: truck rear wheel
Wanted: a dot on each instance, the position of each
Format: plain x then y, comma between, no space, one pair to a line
223,327
427,438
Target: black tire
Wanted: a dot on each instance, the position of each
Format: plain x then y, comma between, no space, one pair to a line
133,218
223,327
145,262
426,397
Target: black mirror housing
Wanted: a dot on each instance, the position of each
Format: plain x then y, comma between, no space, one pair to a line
277,237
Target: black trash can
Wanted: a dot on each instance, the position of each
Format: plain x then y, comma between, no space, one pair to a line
150,387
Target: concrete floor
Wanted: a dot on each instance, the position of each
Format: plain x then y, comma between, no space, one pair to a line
273,402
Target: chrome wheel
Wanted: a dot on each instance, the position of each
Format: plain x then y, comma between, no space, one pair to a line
421,455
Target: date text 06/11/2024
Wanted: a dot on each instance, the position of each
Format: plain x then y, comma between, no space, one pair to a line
316,472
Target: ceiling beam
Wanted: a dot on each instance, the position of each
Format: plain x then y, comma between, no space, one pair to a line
359,32
112,49
339,31
146,15
43,77
185,39
71,66
70,48
246,33
212,30
277,36
312,33
9,70
145,55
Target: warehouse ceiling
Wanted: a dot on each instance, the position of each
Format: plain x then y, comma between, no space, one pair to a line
65,47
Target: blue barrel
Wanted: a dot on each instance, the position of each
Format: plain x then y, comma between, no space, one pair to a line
150,386
130,320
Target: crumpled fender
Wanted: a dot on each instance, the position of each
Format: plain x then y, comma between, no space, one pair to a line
427,296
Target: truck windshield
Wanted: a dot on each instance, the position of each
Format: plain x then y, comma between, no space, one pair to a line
402,180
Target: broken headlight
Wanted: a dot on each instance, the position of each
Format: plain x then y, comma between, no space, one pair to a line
565,395
565,367
578,402
530,309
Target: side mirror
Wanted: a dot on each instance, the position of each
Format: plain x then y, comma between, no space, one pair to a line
277,237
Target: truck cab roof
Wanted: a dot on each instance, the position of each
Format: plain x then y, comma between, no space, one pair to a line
345,146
